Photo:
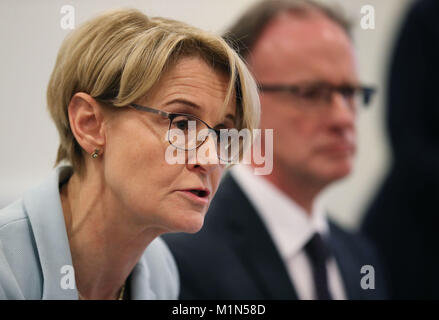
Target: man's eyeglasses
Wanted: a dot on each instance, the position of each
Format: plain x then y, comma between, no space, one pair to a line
316,94
195,132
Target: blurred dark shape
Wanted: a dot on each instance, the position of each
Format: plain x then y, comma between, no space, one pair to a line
403,219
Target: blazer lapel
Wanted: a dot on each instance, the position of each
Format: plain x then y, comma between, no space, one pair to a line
254,245
43,207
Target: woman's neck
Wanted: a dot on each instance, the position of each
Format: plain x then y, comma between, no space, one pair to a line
104,246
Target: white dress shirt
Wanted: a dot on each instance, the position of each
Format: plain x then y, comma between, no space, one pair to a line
290,228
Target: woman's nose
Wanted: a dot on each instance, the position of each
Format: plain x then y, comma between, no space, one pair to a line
205,156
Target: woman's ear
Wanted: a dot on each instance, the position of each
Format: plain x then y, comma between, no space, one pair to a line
87,122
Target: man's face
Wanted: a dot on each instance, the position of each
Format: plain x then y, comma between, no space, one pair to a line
312,140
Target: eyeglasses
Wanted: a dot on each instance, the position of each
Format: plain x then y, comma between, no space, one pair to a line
320,93
195,132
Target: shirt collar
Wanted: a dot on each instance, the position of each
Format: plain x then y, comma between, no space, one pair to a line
287,222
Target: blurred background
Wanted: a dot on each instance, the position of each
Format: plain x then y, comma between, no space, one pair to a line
31,34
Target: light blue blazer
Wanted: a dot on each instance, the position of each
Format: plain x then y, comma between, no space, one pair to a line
34,249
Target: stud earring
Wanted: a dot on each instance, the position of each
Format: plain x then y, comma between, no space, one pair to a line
95,154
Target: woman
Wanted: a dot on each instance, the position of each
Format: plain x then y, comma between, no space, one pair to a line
120,83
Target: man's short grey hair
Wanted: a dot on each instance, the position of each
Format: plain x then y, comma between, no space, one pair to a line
244,33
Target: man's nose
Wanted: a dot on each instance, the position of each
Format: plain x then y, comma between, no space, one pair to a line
342,112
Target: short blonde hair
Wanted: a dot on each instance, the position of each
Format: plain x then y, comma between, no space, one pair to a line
118,56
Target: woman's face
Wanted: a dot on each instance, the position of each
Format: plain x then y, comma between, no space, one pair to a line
149,190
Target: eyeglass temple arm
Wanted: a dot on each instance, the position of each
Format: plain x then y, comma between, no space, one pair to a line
368,94
148,109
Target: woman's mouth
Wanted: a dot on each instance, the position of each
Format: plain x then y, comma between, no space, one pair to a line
197,195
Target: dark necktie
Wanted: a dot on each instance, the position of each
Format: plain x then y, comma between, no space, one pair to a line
318,254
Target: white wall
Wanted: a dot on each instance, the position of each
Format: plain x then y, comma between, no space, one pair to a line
348,198
30,35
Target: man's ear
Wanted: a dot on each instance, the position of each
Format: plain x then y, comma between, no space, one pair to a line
87,122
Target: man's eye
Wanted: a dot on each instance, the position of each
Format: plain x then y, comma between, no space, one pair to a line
347,92
311,93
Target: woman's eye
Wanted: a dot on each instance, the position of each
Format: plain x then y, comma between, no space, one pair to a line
182,124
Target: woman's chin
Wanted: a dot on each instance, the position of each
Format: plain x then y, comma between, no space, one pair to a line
191,223
188,228
193,229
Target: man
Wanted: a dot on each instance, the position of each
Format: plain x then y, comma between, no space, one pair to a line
266,237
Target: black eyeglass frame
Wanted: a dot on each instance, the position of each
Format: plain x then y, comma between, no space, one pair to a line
368,91
171,116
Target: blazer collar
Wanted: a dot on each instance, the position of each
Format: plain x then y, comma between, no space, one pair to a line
43,207
140,279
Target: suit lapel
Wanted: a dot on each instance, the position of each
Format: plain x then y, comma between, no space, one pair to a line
250,238
349,268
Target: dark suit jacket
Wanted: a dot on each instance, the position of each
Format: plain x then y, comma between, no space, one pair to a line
403,219
234,257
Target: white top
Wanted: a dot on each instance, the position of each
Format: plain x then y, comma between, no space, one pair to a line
290,228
